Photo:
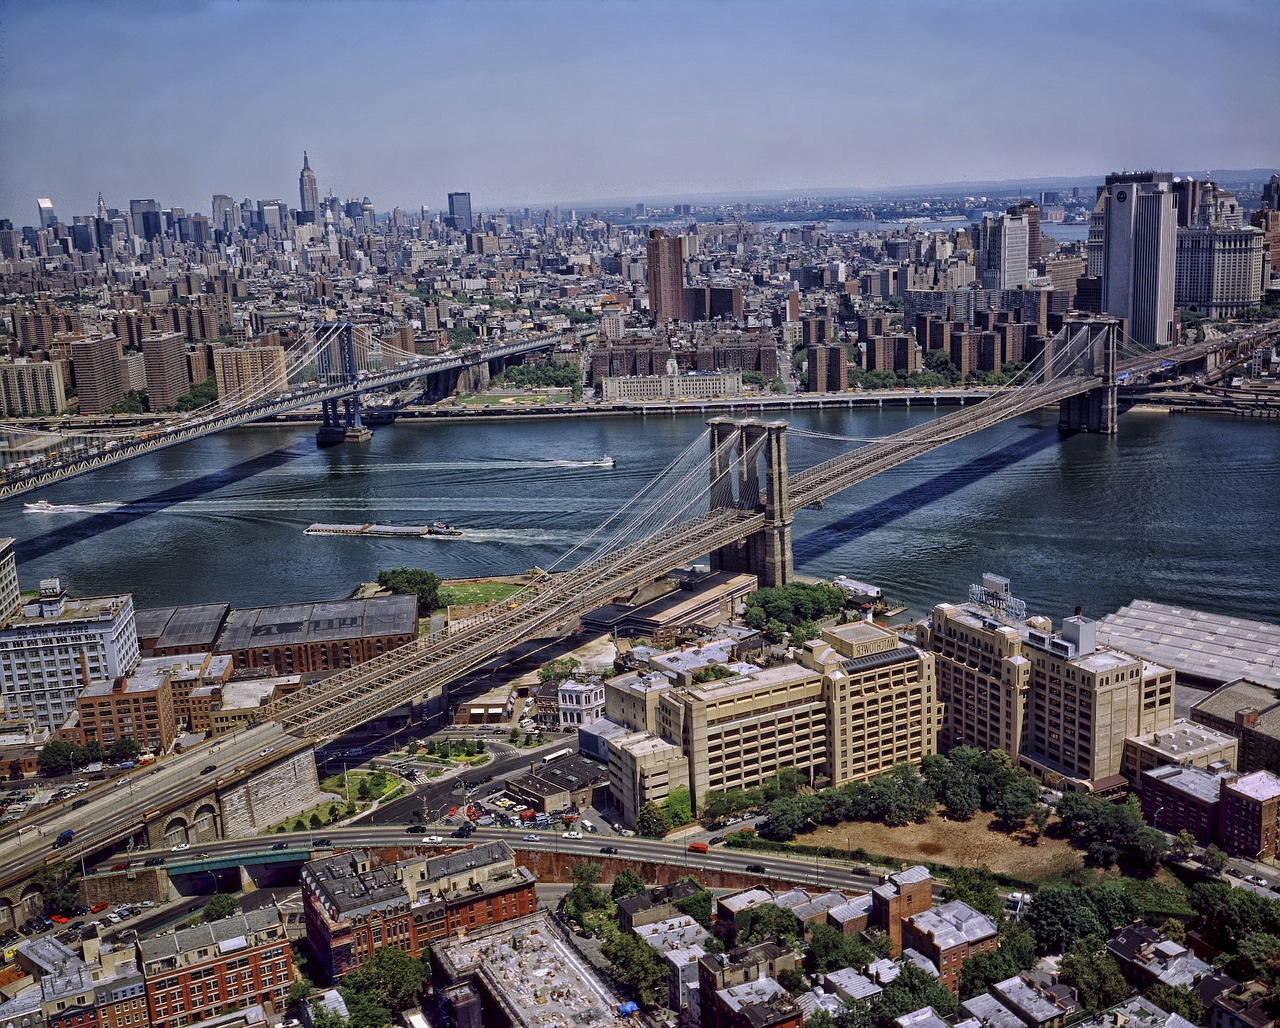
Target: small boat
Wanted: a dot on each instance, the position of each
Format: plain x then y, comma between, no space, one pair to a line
45,507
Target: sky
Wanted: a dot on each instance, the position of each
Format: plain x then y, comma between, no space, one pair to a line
533,102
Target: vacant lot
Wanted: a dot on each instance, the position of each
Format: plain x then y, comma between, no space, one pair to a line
965,843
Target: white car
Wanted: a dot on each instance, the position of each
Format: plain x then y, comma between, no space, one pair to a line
572,835
181,846
433,838
1255,880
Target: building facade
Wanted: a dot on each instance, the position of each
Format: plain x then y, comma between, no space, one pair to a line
665,256
31,387
1139,241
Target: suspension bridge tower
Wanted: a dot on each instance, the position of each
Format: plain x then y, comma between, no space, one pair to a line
1092,343
340,425
738,450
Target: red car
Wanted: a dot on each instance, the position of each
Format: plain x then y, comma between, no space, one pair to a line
59,919
119,867
98,908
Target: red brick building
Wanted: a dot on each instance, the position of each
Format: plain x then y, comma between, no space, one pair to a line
355,905
949,935
194,973
898,897
1247,815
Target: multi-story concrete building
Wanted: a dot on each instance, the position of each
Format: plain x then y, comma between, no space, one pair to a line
1003,255
644,768
355,905
53,646
31,387
10,592
1060,703
881,700
165,360
700,385
1247,711
1184,744
949,935
194,973
98,369
245,373
665,255
1139,242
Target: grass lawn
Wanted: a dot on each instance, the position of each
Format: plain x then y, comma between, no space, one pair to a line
477,592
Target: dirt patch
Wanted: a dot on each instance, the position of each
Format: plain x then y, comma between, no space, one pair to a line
958,843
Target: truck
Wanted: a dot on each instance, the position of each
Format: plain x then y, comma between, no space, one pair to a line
64,838
697,847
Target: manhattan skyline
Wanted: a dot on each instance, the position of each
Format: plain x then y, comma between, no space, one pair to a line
562,101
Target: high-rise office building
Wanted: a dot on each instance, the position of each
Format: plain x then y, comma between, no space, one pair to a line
1220,260
47,217
1271,193
226,213
308,193
1139,243
1029,210
1001,241
460,211
666,277
146,218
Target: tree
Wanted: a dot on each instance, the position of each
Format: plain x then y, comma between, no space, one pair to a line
1184,844
557,670
792,979
1017,941
59,885
652,821
788,815
977,887
1257,959
1174,929
57,757
627,883
124,748
1214,859
390,978
766,921
220,907
299,990
962,798
638,967
323,1017
314,821
911,990
1017,801
1059,915
1094,973
413,581
979,973
363,791
1180,1000
678,806
701,906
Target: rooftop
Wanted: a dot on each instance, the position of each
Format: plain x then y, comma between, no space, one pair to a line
953,924
182,628
1260,785
300,623
217,937
1192,781
532,972
1210,647
1184,739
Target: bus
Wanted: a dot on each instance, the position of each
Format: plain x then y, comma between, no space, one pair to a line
566,752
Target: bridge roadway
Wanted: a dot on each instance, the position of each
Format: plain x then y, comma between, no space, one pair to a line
153,438
398,677
302,846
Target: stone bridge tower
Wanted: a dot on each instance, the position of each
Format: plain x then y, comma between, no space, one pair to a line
749,444
1092,349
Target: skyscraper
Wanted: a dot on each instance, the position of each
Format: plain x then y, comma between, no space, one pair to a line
1139,249
460,211
47,218
308,194
666,277
1001,241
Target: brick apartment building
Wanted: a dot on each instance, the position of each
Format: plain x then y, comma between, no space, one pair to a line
355,905
949,935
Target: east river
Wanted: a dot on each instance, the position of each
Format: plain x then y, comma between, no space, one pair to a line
1182,510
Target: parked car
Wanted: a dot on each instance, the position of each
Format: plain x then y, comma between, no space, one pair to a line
1255,880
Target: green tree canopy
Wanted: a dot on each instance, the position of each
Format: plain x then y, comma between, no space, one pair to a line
678,806
390,979
1094,973
124,748
221,905
627,883
766,921
638,967
701,906
652,821
413,582
60,886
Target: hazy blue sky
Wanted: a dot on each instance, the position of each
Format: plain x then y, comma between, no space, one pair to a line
534,101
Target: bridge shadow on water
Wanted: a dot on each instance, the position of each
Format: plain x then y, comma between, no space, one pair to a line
866,520
144,506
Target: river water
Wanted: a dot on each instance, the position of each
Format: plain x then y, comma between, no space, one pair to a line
1182,510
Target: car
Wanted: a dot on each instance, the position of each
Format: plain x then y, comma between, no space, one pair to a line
1255,880
432,838
120,867
59,919
147,904
124,781
25,929
417,829
79,803
1234,873
572,835
585,933
324,842
114,918
98,907
153,862
755,869
608,849
209,769
280,846
715,840
531,838
460,833
181,846
265,751
81,909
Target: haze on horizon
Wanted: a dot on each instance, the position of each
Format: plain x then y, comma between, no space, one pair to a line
524,103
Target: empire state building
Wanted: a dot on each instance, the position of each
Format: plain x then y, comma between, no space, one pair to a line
308,193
